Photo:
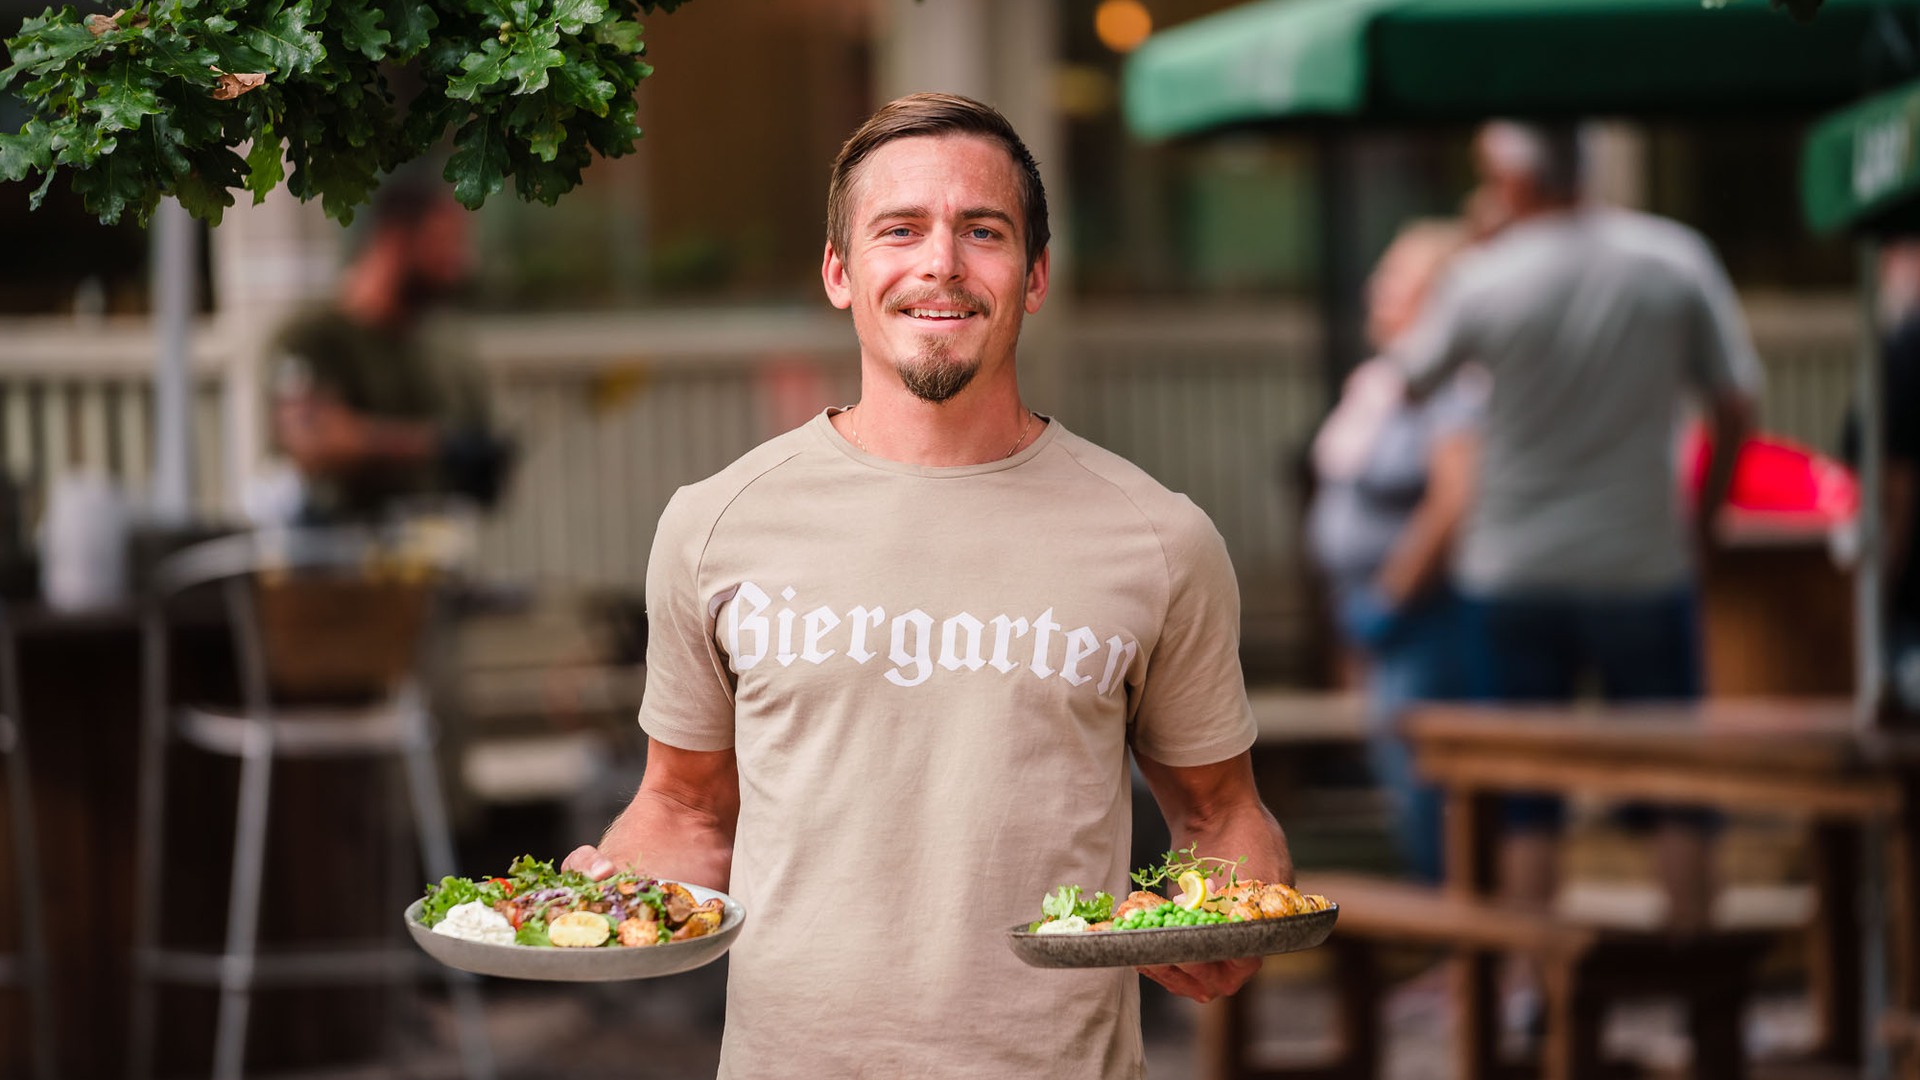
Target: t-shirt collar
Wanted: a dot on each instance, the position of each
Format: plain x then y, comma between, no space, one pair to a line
823,425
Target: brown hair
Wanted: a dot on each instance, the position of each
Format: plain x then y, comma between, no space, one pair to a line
934,114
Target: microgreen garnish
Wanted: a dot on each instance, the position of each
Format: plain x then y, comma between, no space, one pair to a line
1175,863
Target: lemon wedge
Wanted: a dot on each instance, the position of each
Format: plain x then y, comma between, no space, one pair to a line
1193,890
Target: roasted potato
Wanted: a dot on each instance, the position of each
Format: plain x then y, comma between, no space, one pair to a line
701,921
579,930
680,902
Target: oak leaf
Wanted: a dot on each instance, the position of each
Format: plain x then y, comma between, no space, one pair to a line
231,85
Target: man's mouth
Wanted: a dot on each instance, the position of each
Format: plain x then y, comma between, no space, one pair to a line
937,314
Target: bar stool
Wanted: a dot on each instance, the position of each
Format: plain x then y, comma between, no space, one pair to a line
28,968
308,609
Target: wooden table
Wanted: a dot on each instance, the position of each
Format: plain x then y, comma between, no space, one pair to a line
1803,759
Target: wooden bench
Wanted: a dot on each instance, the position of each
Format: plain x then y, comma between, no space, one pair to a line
1583,969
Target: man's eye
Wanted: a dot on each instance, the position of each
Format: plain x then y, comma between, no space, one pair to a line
980,232
899,230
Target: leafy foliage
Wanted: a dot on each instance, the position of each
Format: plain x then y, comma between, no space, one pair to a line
197,99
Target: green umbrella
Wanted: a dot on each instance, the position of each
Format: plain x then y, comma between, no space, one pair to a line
1859,168
1400,60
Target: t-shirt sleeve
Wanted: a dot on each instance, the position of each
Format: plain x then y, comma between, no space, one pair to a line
1722,359
1193,706
688,700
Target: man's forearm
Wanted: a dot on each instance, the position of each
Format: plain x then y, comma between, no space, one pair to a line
1731,424
1233,831
402,440
324,437
1419,559
671,839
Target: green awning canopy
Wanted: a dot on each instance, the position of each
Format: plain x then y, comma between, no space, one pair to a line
1411,60
1859,167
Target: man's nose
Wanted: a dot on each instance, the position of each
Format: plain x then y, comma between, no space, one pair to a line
940,257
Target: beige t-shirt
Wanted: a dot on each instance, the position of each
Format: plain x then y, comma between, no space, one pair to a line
931,678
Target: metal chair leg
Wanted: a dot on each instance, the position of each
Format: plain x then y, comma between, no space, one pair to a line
149,840
436,847
243,912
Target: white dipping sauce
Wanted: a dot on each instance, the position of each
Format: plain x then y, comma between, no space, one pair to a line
475,921
1072,924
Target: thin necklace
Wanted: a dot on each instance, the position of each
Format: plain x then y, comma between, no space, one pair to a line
1014,449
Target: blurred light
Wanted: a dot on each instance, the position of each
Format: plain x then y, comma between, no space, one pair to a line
1122,24
1083,92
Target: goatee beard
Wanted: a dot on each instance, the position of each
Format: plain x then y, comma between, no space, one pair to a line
933,376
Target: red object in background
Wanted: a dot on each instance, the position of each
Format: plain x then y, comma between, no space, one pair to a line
1777,480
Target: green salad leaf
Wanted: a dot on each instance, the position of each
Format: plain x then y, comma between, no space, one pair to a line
532,932
1065,902
451,892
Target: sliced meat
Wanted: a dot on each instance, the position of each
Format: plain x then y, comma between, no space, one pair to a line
639,932
1138,901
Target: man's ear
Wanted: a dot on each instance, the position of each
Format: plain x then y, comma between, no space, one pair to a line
1037,281
833,274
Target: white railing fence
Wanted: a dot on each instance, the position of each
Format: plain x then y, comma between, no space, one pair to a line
613,413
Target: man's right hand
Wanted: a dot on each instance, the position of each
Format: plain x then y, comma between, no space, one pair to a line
1368,619
590,861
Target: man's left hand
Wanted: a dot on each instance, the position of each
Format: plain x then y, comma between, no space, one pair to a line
1204,982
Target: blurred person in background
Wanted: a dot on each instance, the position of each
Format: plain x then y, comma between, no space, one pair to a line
1899,310
1598,327
372,412
1393,479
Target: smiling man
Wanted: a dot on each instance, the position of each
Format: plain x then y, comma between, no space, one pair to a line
900,657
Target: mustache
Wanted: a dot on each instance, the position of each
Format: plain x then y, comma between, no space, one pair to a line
946,297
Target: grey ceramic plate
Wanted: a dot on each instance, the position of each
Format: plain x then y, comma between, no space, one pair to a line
1173,944
582,965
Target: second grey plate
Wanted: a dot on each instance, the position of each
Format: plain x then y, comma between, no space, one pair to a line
1173,944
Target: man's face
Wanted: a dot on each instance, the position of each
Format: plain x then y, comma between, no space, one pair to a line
439,254
935,268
